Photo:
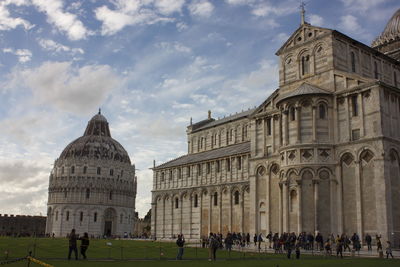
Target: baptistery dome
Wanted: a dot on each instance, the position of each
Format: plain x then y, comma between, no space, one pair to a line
388,41
92,186
96,143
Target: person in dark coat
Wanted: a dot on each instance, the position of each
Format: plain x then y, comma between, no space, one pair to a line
180,242
72,245
84,244
368,240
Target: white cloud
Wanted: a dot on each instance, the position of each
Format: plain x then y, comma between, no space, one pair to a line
65,87
350,24
24,55
201,8
167,7
176,46
55,47
316,20
360,6
7,22
127,13
64,21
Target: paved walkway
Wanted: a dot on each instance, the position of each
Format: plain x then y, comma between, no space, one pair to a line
364,253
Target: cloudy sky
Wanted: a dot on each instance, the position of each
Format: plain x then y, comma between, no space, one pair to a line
149,64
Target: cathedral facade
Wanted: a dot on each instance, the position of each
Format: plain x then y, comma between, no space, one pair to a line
92,187
320,154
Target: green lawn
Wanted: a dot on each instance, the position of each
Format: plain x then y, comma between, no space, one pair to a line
147,253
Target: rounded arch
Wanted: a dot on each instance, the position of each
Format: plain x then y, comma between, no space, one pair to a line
324,169
307,169
273,167
393,154
302,52
316,47
365,152
290,171
260,170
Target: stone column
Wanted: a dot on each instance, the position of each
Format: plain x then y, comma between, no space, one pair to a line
359,198
280,129
209,212
285,207
268,199
316,193
230,211
163,224
273,134
338,173
314,123
280,208
200,198
154,218
332,183
172,216
298,114
190,214
242,212
220,212
285,128
300,210
181,217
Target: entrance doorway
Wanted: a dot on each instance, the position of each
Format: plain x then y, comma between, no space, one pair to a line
110,220
107,228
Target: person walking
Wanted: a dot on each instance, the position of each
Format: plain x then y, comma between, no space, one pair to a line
255,239
180,242
259,240
84,245
388,250
297,248
339,248
368,240
72,244
213,245
228,242
378,243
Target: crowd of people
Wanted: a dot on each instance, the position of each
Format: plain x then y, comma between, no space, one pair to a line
292,242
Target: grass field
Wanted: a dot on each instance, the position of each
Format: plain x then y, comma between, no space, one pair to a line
148,253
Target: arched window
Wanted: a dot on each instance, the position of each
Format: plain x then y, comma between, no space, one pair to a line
293,199
81,216
305,65
162,177
322,111
198,169
353,61
228,164
98,170
73,169
215,199
56,215
67,216
239,163
87,193
110,195
95,217
231,135
176,203
188,171
292,111
376,74
236,197
196,201
84,169
354,103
